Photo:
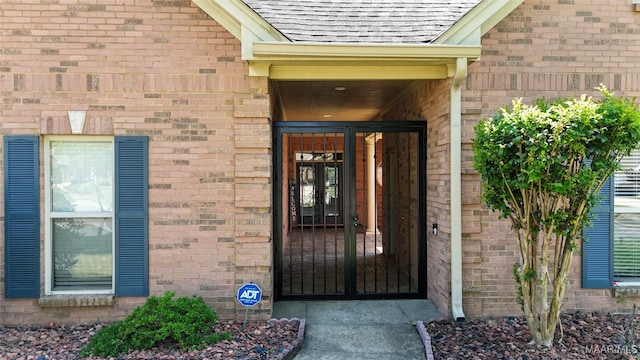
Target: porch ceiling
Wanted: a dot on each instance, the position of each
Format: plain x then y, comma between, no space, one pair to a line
351,100
306,78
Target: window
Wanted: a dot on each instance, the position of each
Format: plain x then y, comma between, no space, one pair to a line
96,215
626,220
79,233
611,250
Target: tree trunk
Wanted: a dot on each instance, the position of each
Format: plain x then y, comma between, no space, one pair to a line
542,295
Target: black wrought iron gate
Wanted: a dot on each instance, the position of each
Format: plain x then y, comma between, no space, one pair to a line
349,209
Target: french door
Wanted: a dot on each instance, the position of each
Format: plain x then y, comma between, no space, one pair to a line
319,195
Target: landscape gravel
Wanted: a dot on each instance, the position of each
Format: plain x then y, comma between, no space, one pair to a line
582,336
258,340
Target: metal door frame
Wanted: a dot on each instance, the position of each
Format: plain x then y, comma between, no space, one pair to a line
349,129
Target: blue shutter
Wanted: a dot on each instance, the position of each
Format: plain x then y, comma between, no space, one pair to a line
131,216
22,216
597,249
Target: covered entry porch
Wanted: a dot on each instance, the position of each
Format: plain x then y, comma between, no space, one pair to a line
389,85
350,203
430,93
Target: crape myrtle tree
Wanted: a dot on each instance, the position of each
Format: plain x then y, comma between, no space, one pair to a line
542,166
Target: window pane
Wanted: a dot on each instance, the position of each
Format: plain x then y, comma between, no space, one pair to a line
82,254
626,231
81,176
321,156
627,181
626,246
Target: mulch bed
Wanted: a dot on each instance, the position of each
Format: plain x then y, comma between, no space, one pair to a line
583,336
275,339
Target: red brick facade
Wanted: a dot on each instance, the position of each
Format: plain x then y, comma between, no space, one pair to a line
542,49
165,69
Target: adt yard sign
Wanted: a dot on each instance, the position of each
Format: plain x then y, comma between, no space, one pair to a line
249,294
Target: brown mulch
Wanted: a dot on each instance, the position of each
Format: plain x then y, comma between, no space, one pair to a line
259,340
583,336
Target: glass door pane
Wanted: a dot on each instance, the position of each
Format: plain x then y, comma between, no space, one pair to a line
308,193
331,191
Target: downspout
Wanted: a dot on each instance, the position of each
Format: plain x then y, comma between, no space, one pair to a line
456,189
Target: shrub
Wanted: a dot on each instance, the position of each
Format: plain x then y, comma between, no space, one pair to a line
542,167
184,322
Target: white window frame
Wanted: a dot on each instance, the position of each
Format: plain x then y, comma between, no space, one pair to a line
48,242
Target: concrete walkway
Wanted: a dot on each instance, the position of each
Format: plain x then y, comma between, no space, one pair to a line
360,329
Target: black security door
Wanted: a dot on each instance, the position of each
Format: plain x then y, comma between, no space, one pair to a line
349,206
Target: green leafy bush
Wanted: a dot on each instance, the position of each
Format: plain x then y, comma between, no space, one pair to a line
183,322
542,167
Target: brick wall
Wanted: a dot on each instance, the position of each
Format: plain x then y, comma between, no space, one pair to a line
167,70
431,104
549,49
405,197
546,49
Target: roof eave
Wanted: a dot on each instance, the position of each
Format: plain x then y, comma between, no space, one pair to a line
270,53
296,61
292,51
477,22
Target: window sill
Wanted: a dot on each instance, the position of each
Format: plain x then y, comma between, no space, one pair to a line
75,300
631,291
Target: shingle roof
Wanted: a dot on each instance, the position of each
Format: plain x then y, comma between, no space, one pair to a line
362,21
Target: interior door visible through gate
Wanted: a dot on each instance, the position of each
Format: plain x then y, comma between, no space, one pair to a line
319,195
